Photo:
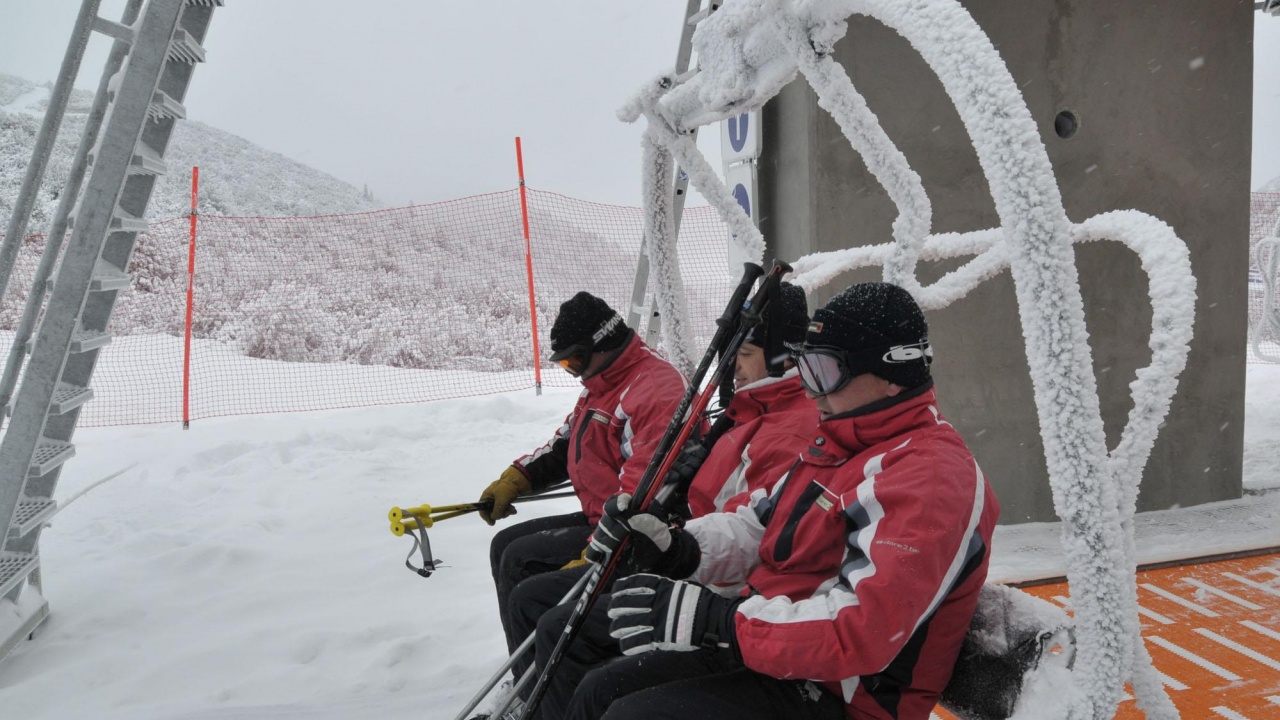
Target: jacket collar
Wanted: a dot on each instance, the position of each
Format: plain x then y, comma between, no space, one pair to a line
767,395
622,367
840,438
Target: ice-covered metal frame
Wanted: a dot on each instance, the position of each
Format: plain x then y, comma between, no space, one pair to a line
1266,257
747,52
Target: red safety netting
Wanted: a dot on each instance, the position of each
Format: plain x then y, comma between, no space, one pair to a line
404,305
1264,218
393,306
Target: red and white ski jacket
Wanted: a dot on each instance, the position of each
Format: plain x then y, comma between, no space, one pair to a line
606,442
773,423
863,564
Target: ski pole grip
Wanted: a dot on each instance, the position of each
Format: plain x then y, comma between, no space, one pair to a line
398,513
769,289
399,528
750,273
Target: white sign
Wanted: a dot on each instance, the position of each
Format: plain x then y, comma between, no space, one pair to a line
740,138
741,181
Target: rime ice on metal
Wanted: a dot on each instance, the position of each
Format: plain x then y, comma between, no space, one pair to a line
748,50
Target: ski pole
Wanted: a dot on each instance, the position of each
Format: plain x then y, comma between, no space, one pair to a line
397,513
678,431
525,647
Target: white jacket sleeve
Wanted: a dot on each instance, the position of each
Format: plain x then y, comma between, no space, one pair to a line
730,542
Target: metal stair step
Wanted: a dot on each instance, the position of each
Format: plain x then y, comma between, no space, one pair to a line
31,514
147,162
123,221
184,48
68,397
86,340
108,277
81,341
50,454
163,106
204,3
14,568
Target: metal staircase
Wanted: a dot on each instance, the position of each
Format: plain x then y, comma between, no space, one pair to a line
122,151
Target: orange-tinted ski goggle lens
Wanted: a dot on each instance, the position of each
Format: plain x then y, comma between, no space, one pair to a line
574,359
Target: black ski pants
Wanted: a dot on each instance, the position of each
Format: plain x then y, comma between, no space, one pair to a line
594,681
677,692
531,548
591,648
531,599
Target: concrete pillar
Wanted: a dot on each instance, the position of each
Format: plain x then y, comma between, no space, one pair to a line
1161,93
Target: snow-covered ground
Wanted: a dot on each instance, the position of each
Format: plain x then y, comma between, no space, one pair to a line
243,569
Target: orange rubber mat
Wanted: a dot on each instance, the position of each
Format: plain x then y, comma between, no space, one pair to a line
1213,631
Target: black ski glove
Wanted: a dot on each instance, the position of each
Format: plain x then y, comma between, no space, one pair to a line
686,464
647,612
655,545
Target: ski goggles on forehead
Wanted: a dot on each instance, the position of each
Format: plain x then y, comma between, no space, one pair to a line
574,359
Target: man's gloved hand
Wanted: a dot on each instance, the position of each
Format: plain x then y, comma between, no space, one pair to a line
617,522
655,545
648,612
686,464
501,492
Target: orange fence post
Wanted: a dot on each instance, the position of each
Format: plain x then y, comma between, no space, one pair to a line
191,277
528,268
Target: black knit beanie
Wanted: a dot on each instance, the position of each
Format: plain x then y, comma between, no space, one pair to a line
881,327
585,319
785,320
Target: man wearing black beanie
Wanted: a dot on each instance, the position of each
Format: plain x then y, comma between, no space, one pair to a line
862,564
629,396
765,426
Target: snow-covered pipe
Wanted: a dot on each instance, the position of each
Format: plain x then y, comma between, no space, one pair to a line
1093,493
1052,310
1172,289
660,242
660,131
817,269
1266,255
860,127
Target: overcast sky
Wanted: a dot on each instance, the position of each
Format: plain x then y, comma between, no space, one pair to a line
421,100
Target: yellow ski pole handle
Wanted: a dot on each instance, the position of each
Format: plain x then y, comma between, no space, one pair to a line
398,513
399,528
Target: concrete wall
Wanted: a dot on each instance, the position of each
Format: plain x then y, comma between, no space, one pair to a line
1163,94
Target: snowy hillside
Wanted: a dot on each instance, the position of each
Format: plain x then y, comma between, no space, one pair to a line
236,176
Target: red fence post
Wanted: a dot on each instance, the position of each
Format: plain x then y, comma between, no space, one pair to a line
528,268
191,277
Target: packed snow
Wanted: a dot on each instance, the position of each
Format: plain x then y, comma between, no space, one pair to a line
243,568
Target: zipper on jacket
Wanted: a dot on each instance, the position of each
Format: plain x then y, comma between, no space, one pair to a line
782,548
577,438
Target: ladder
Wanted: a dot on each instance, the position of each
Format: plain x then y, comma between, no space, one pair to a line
122,151
644,303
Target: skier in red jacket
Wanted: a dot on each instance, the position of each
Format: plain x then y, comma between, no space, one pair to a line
629,396
862,565
766,426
